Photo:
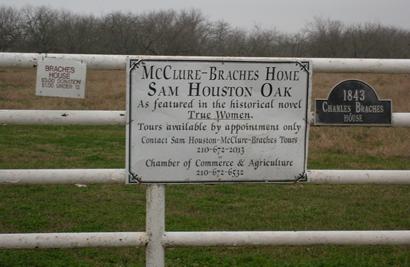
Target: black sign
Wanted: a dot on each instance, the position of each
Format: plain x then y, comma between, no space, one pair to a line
353,102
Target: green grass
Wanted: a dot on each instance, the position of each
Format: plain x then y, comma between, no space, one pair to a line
62,147
339,160
67,208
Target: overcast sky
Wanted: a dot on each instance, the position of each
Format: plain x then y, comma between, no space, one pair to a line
284,15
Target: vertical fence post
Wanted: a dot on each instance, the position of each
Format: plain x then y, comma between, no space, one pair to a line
155,225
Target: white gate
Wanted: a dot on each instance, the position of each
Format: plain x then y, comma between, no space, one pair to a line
155,238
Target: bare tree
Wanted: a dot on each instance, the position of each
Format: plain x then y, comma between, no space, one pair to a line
217,38
156,30
325,38
40,28
173,33
263,42
225,40
119,33
188,32
294,45
375,40
10,28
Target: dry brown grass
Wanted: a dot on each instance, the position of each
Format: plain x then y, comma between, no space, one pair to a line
106,91
376,141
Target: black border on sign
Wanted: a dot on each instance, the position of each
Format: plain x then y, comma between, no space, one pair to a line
134,178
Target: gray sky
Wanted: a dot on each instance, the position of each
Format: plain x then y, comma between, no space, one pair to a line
284,15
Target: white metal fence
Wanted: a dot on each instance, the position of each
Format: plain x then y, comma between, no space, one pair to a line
155,238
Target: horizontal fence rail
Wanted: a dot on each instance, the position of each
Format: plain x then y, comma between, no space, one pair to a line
117,176
178,239
73,240
328,65
286,238
358,177
62,176
110,117
62,117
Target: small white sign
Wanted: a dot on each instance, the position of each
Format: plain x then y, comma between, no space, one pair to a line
61,78
216,120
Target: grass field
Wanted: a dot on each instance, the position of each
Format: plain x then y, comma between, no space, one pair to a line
199,207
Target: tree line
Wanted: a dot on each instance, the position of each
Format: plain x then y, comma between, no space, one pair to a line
189,32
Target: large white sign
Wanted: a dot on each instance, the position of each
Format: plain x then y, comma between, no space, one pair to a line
223,120
61,78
